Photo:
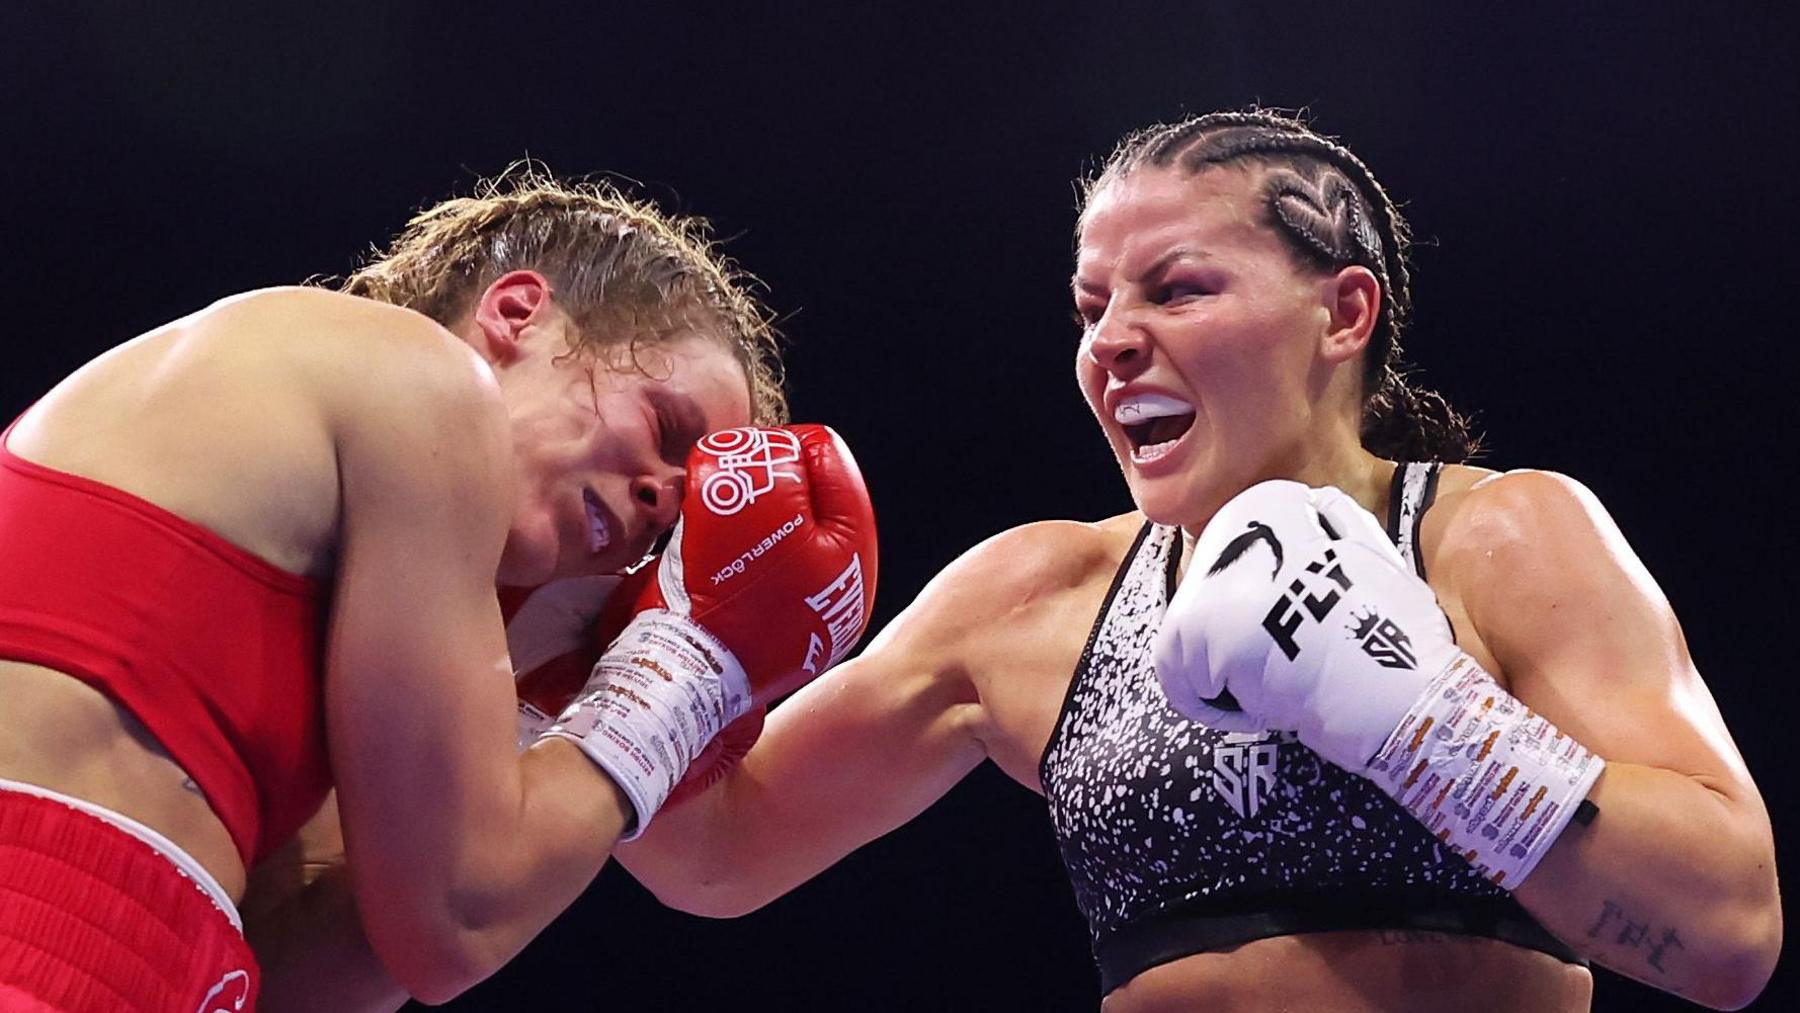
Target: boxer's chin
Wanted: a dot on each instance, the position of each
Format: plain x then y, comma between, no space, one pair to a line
1186,500
1161,499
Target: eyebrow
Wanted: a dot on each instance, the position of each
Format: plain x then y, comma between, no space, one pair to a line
1159,264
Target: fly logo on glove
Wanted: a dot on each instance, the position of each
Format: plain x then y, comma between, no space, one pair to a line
1245,648
1284,618
1356,658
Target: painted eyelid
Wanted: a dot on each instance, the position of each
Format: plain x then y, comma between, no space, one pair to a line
1170,289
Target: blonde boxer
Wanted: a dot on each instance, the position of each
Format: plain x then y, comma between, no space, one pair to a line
251,555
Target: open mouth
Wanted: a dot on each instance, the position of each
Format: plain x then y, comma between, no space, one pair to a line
1153,424
599,531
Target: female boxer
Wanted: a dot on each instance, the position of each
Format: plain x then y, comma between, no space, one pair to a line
1241,284
252,554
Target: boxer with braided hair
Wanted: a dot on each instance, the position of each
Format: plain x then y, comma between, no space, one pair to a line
1332,211
1295,757
252,556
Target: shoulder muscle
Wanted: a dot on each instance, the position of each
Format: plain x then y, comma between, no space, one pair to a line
1580,629
1001,581
1540,540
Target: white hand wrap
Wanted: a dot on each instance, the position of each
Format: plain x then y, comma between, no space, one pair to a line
656,698
553,620
1490,778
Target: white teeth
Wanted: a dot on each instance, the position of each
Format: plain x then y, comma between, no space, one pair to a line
599,536
1144,407
1151,451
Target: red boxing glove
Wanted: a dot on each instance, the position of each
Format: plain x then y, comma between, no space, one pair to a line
768,580
774,553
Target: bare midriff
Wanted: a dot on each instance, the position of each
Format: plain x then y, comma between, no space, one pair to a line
1352,972
64,735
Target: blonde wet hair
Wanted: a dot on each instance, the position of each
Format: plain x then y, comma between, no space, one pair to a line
627,273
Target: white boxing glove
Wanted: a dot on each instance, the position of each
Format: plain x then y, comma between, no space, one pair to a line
1298,613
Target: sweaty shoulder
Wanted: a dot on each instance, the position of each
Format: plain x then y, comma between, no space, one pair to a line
270,314
257,392
1515,528
1012,587
348,342
1003,627
1479,509
1028,567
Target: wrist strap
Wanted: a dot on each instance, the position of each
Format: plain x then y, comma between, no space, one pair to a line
654,700
1493,780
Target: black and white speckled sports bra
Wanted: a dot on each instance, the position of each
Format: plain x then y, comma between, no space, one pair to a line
1179,839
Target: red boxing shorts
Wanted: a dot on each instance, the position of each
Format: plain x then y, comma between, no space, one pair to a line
100,914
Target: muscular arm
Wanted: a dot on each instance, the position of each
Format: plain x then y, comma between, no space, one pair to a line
459,851
869,745
1674,882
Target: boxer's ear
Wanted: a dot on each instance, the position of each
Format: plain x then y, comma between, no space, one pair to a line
1352,298
509,307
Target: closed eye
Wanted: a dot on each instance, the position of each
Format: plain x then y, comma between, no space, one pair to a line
667,439
679,425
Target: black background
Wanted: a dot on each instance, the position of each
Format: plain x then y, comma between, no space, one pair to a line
1604,193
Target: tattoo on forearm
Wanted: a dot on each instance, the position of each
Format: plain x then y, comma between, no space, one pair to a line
188,783
1615,924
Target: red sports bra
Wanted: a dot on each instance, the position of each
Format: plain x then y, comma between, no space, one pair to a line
215,650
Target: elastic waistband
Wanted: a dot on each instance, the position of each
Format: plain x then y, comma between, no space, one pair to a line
183,862
94,918
1168,937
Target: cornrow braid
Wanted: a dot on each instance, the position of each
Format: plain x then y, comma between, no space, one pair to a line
626,273
1332,212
